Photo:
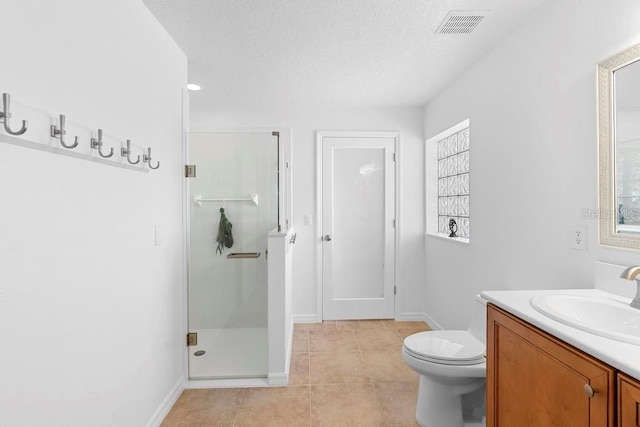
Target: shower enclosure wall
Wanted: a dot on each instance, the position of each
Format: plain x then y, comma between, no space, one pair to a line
228,287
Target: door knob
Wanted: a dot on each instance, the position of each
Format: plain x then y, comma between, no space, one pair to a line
327,237
589,391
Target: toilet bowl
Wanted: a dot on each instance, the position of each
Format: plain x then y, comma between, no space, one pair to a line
451,364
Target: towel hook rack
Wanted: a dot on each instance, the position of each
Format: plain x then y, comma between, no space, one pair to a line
146,158
97,144
5,115
126,152
59,133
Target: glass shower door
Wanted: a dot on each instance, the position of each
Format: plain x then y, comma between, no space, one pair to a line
236,172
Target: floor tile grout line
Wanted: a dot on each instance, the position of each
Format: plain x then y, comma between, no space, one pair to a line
309,369
355,337
375,391
380,403
309,391
235,420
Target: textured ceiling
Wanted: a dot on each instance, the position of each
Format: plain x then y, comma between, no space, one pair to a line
302,53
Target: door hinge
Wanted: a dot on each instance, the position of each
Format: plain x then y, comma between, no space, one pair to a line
395,291
189,171
394,157
394,223
192,339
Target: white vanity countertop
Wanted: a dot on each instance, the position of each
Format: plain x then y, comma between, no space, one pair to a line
622,356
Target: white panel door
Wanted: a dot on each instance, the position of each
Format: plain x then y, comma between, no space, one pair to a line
358,245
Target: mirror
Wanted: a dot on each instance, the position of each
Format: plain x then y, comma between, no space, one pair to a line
619,149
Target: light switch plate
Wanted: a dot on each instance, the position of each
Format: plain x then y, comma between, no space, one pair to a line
308,220
158,234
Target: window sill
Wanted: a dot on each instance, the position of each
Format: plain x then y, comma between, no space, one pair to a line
458,240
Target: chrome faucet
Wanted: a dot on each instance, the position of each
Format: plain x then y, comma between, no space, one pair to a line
632,273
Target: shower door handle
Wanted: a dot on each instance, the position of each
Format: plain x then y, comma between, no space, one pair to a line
327,237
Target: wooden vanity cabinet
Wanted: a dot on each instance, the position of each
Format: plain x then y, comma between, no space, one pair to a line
534,379
628,402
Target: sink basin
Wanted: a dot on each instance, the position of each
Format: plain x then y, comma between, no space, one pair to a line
601,315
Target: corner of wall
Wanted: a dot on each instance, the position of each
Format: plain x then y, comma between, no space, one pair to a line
167,403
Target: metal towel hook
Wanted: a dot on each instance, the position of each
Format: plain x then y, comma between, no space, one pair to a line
126,152
97,144
61,132
146,158
5,115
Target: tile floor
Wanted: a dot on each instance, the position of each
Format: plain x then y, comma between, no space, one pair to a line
343,373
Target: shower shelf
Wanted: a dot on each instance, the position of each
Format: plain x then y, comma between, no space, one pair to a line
243,255
253,198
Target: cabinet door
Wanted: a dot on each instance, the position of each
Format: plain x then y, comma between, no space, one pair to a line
536,380
628,402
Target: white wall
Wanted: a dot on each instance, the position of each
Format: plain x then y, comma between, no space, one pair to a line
90,310
305,123
532,107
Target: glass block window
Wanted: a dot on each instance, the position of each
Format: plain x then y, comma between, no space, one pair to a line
447,183
453,183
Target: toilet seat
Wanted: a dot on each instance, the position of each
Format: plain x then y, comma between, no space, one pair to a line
446,347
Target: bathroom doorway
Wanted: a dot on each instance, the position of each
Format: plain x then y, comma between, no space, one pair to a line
357,177
235,183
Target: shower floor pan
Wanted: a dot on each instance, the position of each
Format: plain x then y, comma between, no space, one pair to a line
229,353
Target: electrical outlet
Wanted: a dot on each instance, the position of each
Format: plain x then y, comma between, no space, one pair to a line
579,237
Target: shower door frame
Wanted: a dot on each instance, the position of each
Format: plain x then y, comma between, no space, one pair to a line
286,218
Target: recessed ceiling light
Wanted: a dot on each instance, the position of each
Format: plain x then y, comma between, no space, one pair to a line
193,86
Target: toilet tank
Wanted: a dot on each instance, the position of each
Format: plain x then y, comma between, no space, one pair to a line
478,325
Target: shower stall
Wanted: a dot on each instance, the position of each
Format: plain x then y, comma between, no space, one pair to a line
238,175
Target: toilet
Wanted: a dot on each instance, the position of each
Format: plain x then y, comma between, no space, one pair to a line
452,370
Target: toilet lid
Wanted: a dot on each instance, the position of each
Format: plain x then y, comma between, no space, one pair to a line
446,347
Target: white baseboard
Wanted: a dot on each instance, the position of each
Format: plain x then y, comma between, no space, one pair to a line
432,323
280,379
419,317
306,318
408,317
167,403
227,383
289,349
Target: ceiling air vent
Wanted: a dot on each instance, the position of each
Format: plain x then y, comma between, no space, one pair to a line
461,22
